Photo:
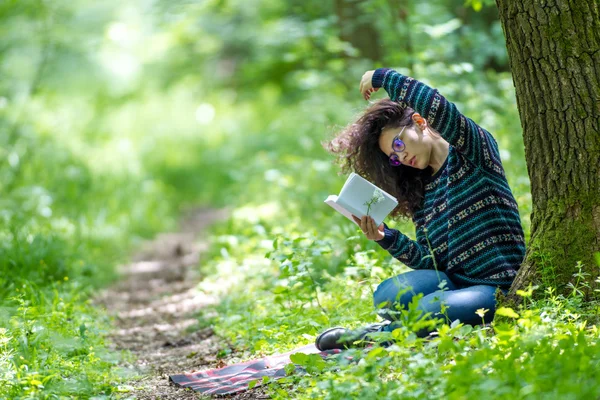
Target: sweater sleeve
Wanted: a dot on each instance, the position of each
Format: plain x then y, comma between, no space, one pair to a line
408,251
477,144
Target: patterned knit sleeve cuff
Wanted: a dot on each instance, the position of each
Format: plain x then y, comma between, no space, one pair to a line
389,238
378,76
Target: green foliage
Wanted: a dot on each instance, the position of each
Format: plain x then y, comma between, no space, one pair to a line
50,344
76,198
118,114
478,4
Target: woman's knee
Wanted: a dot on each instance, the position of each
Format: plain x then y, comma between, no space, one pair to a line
462,304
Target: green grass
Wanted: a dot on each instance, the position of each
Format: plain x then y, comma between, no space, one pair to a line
71,210
64,227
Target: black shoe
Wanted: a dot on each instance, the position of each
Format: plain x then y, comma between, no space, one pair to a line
342,338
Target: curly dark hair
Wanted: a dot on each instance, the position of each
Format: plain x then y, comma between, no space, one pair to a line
357,149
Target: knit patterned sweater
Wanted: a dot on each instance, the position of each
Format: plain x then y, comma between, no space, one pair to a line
469,214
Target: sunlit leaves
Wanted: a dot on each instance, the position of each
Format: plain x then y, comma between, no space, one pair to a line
507,312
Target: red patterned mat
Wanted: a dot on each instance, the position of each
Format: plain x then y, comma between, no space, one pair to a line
235,378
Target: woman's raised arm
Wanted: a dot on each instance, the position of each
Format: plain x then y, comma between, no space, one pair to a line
466,136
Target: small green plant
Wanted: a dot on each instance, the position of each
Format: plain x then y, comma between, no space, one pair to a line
376,198
295,257
578,289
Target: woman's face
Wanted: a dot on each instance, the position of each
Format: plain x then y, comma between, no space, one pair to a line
417,146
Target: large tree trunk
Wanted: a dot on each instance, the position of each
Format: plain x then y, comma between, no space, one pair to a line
554,52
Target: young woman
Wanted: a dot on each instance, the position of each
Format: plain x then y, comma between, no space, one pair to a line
446,174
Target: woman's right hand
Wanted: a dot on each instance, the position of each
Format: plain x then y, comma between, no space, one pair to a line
367,225
366,85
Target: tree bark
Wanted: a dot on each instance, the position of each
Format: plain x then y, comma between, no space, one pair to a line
554,53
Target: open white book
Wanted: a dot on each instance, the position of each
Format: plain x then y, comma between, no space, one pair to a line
360,197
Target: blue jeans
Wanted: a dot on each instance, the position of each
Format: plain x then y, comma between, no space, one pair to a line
461,302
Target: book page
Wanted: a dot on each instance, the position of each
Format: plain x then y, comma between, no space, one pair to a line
332,201
358,192
347,184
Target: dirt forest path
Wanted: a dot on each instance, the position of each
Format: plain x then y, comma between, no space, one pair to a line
155,306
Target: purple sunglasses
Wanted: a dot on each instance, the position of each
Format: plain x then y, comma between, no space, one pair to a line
397,146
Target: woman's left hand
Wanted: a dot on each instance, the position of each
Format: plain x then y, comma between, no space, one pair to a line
367,225
366,85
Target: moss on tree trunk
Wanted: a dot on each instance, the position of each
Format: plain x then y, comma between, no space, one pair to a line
554,52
